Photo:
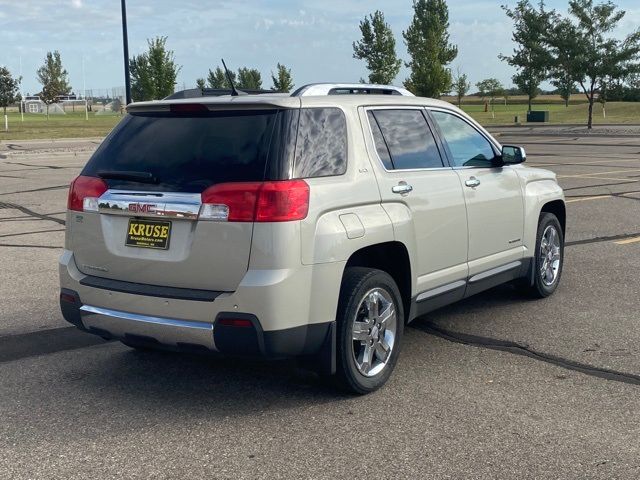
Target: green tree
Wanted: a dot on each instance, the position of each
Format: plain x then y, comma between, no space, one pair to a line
154,73
201,84
427,41
282,81
9,88
218,78
562,42
461,86
249,79
378,48
530,56
596,57
53,78
490,88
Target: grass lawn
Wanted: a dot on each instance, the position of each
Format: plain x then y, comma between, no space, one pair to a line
71,125
617,112
74,125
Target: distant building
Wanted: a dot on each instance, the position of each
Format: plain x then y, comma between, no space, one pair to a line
33,104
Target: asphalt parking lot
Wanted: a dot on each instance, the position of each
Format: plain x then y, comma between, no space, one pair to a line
497,386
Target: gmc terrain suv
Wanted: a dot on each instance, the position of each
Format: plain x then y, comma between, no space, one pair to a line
311,225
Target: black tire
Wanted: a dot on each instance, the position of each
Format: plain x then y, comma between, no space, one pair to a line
539,288
357,283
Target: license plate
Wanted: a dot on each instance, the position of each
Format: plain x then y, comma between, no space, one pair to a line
148,233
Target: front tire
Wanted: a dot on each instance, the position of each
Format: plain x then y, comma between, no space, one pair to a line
549,258
370,323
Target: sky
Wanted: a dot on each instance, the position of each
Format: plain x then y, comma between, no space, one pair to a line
312,37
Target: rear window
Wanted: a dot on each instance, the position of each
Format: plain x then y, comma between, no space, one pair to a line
190,152
187,153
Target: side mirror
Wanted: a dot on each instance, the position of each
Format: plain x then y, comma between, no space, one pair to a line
512,155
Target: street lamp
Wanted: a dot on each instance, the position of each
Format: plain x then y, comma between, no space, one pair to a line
125,43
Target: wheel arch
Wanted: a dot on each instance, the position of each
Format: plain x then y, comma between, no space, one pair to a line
391,257
559,209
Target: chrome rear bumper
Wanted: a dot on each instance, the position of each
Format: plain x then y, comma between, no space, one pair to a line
166,331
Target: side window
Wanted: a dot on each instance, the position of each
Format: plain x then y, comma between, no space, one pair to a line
467,146
321,148
381,145
407,138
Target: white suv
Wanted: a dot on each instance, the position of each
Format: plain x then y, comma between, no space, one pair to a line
312,225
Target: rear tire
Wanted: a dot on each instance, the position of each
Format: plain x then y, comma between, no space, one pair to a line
370,323
549,257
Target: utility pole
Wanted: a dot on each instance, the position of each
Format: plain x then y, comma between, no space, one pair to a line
125,43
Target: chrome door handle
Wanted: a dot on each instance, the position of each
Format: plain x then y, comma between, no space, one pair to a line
472,182
402,188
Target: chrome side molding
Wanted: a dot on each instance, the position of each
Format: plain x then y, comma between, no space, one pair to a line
495,271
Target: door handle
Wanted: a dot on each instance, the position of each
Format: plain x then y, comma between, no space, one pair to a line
402,188
473,182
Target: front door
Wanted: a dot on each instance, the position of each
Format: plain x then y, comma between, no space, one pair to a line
495,208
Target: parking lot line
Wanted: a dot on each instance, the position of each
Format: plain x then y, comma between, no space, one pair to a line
628,240
595,197
580,175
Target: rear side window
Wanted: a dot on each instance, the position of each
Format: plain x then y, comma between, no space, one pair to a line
407,139
187,153
321,146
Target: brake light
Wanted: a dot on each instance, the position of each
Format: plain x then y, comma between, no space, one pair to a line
84,193
281,201
188,108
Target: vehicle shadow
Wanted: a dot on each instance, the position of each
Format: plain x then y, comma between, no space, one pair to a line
203,384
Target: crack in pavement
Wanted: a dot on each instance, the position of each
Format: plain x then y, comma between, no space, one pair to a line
57,187
19,245
53,167
31,213
524,350
586,241
30,233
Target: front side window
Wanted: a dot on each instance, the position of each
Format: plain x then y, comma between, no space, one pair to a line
405,136
467,146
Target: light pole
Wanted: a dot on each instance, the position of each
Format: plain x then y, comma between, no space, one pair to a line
125,43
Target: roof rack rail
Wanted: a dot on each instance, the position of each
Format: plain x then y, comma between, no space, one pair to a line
349,89
212,92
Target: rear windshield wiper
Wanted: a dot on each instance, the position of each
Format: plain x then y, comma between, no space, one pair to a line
142,177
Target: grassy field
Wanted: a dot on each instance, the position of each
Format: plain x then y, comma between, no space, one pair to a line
71,125
74,125
616,112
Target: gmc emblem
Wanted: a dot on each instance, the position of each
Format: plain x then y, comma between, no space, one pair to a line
142,207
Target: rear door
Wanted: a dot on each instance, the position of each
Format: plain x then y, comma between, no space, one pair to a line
493,196
156,166
423,197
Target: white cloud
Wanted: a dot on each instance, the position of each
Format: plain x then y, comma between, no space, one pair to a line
76,3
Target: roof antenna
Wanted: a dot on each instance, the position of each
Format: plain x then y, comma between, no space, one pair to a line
234,92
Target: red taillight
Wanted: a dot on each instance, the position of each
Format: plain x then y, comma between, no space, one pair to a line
84,187
282,201
235,322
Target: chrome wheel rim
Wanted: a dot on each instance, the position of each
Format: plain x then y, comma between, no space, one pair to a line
373,332
550,256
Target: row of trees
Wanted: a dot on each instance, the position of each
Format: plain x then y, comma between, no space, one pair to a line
154,74
566,50
52,76
574,49
427,41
